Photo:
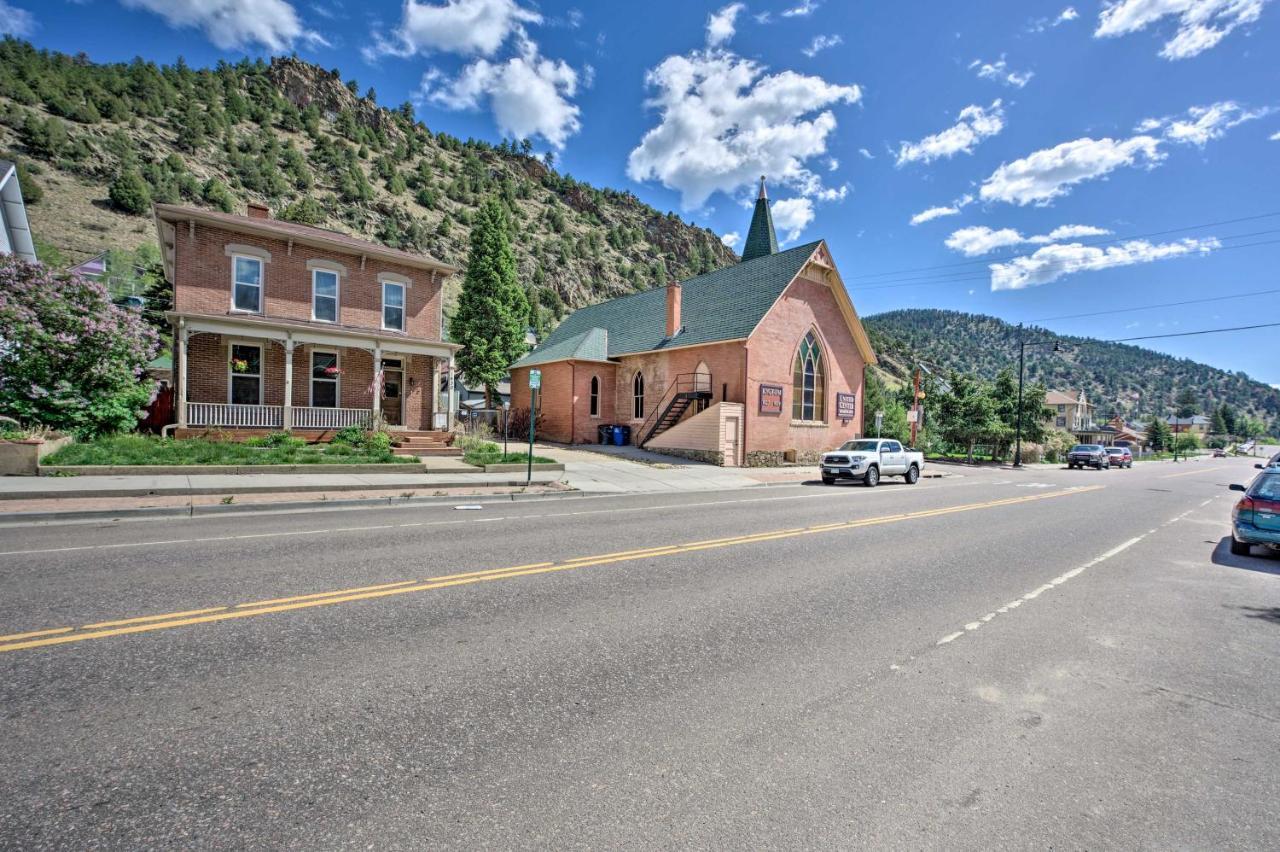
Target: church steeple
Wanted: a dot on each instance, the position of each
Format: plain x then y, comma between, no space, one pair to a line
761,239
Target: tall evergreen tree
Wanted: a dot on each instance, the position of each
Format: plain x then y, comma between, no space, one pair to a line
492,309
1187,405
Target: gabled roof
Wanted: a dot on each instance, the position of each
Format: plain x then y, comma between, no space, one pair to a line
1057,397
590,345
723,305
15,230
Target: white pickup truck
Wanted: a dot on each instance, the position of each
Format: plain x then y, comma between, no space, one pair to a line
870,459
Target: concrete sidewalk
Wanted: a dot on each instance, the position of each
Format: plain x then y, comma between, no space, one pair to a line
58,487
630,470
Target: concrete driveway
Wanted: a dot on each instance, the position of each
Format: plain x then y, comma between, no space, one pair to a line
607,469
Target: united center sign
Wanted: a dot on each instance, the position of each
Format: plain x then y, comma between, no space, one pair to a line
846,406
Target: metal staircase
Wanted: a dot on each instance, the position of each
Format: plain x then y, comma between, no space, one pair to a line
686,390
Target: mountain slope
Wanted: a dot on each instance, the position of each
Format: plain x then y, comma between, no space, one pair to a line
296,137
1118,378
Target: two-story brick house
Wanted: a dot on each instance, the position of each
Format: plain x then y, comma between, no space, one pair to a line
284,326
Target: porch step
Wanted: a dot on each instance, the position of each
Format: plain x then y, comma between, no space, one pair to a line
417,442
427,452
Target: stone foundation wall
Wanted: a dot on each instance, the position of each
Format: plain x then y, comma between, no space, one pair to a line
706,456
777,458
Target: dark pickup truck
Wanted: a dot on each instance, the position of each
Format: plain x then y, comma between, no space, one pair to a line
1089,455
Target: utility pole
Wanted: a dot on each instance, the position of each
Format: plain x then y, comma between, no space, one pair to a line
915,407
1022,357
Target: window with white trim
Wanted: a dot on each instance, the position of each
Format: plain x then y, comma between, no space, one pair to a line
244,370
324,295
393,305
324,379
246,284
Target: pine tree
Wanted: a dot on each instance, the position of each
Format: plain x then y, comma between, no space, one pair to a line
1219,425
492,309
130,193
1159,435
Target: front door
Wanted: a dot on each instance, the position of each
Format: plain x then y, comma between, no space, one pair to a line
392,403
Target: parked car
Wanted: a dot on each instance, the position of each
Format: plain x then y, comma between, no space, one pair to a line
1088,455
1274,461
869,460
1120,456
1256,517
1219,453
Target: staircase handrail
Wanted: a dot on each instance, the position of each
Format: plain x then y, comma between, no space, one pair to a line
685,383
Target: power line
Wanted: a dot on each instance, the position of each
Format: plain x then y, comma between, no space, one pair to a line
1193,333
1093,243
1165,305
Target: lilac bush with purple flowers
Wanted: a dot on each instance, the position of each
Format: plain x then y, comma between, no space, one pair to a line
69,358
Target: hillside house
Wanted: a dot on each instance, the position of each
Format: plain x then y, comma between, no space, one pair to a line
284,326
752,364
1072,411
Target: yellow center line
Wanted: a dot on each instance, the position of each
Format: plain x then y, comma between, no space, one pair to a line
105,629
1191,472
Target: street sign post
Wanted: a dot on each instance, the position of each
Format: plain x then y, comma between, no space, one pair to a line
879,421
535,384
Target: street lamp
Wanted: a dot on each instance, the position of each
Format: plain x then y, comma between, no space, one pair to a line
1022,353
506,409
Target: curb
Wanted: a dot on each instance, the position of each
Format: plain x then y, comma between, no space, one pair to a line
192,491
17,519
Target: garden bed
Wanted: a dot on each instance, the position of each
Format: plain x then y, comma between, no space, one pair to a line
135,450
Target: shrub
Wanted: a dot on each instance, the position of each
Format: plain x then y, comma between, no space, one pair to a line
518,424
276,440
70,359
129,192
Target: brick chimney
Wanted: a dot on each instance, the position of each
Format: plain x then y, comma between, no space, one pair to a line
259,211
673,309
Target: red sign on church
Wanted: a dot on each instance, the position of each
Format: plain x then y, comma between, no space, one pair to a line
771,399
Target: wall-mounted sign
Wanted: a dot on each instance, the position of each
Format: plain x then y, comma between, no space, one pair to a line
846,406
771,399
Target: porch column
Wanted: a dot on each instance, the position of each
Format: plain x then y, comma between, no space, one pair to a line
287,417
377,385
453,395
182,374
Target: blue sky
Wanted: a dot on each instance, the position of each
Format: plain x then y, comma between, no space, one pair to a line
1026,160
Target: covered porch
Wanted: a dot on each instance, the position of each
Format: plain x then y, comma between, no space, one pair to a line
250,376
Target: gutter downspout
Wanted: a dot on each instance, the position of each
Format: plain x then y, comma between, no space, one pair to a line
573,401
746,396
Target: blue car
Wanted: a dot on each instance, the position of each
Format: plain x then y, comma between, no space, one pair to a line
1256,517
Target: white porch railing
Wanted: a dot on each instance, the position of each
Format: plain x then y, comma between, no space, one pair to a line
245,416
330,418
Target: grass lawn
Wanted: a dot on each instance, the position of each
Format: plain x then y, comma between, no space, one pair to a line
152,450
492,454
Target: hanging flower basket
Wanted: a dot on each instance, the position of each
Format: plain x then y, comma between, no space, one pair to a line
333,371
239,365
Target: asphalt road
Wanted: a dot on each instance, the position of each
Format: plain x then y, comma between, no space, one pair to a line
1069,659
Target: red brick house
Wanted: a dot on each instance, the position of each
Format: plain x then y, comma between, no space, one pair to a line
748,365
284,326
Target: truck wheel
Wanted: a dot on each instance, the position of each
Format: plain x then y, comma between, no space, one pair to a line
872,479
912,475
828,480
1239,548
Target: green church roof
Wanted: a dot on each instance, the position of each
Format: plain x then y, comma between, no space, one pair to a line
726,304
761,240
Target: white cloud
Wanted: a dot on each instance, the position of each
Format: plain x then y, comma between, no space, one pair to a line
792,215
1050,173
1067,14
1201,24
1203,124
724,122
821,43
731,239
952,209
934,213
1275,137
974,124
999,71
236,24
722,25
1054,261
802,9
16,22
980,239
528,93
866,154
466,27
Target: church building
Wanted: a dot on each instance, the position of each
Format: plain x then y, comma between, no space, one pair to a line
754,364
